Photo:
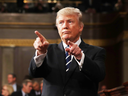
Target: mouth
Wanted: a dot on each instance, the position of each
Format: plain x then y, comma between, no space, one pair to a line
66,32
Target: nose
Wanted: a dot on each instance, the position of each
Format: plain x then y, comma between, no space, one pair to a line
65,25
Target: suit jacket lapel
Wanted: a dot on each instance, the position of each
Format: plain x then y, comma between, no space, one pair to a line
83,46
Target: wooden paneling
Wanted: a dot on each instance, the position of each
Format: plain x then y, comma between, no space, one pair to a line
22,59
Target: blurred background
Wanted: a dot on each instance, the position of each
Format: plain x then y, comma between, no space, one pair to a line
106,25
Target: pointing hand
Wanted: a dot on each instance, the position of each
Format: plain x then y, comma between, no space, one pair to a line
74,50
40,44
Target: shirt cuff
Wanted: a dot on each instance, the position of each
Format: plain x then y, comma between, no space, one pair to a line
80,63
39,59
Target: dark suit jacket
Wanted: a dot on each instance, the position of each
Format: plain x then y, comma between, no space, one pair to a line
74,83
33,92
19,93
18,87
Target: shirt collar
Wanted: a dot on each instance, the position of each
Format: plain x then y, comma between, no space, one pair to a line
14,86
23,94
77,42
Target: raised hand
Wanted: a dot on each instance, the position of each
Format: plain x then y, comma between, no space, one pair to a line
74,50
40,44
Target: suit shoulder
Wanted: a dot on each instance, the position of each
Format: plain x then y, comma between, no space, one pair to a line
95,47
17,93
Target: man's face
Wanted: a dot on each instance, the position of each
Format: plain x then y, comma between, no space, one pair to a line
36,86
69,27
41,86
11,80
28,87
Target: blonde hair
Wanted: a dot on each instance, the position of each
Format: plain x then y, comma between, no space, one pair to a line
70,11
9,89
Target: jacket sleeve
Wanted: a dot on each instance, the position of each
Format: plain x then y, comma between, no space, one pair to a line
94,65
38,72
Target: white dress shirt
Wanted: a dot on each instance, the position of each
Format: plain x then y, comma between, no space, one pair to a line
14,87
40,58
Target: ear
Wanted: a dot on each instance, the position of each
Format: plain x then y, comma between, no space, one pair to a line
81,27
14,79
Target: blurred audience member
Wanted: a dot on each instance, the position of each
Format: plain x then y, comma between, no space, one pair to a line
7,90
36,89
20,4
57,7
11,7
103,87
107,7
118,5
41,7
12,81
90,10
3,7
26,89
28,8
41,86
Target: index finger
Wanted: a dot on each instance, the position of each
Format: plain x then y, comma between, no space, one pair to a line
40,35
70,43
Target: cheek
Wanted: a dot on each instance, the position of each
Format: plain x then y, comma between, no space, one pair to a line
59,29
60,33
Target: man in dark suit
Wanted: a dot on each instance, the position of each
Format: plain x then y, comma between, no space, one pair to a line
26,89
36,89
62,76
12,81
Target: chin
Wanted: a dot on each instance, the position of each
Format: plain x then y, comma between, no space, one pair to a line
66,37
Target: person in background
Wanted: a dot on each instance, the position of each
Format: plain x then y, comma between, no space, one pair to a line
12,81
20,4
3,7
57,7
41,86
41,7
7,90
71,68
26,89
36,89
103,87
118,5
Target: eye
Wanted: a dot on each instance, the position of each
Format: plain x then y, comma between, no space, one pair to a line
70,21
61,22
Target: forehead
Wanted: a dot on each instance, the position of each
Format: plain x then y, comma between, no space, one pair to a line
29,83
10,75
4,86
67,17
